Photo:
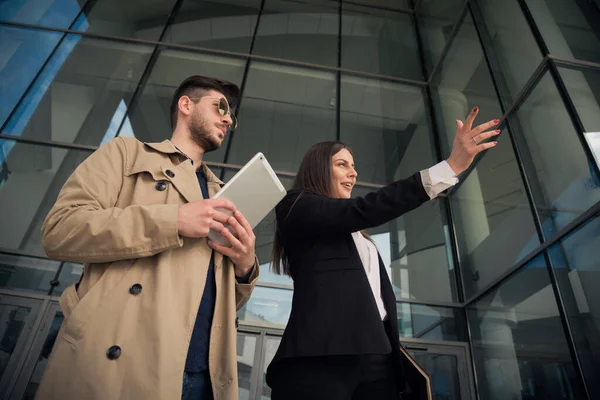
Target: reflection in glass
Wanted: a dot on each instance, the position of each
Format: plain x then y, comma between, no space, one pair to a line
436,20
215,24
51,13
150,119
12,322
569,28
519,346
267,305
23,55
584,89
79,91
563,179
32,177
28,274
443,372
420,321
513,44
576,263
285,111
380,42
301,31
69,275
246,347
490,200
42,361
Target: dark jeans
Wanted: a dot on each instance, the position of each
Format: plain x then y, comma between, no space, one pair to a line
359,377
196,386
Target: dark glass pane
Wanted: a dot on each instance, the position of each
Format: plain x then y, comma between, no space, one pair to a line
385,124
271,346
222,25
139,19
420,321
285,110
569,28
519,345
436,21
513,45
246,347
82,93
30,178
576,263
584,88
42,361
380,42
301,31
416,252
563,179
23,55
490,200
29,274
12,322
69,275
443,371
267,305
150,119
390,4
53,13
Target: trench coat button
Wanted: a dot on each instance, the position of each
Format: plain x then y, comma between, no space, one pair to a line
160,186
135,289
170,173
113,352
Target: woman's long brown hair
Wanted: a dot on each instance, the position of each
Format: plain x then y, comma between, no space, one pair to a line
313,176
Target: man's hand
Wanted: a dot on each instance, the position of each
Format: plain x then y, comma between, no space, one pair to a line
241,252
467,142
197,218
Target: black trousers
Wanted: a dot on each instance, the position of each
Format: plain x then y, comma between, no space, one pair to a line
344,377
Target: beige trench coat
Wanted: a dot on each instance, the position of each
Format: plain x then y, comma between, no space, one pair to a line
142,282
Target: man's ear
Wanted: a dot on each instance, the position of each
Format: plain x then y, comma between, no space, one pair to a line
185,105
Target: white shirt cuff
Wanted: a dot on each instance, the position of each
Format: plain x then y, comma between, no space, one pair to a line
438,178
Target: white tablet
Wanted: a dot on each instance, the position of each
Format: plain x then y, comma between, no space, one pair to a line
255,190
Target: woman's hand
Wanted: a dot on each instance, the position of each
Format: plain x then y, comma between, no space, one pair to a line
467,142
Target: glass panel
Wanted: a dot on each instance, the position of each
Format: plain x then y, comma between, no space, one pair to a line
23,53
12,322
576,263
513,45
267,305
222,25
301,31
140,19
380,42
490,201
584,89
569,28
150,120
42,361
69,275
519,345
385,124
391,4
246,347
30,178
51,13
26,273
82,93
443,372
421,321
436,20
562,177
285,110
272,344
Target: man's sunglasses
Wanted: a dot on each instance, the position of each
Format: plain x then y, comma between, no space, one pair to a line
222,107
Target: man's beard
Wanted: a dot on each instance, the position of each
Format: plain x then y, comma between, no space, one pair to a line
201,136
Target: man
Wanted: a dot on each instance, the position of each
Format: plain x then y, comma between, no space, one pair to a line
154,315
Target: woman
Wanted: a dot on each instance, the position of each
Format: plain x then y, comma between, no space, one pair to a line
342,341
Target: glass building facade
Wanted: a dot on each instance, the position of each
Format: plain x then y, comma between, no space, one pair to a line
494,279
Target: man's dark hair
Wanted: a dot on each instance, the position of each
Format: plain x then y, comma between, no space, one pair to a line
197,86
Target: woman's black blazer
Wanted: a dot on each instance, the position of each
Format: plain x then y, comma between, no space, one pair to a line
333,308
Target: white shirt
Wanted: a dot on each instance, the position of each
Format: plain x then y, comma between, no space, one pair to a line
435,180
